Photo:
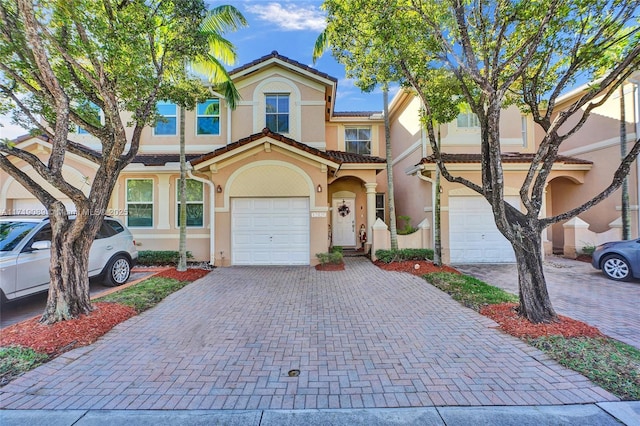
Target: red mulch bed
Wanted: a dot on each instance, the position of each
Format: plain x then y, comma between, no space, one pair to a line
423,267
505,314
65,335
188,275
330,267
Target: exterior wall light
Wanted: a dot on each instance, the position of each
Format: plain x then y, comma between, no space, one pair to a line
319,188
219,189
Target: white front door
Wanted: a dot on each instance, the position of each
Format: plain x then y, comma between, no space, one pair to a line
344,222
270,231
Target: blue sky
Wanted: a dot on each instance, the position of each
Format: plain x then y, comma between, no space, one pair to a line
291,28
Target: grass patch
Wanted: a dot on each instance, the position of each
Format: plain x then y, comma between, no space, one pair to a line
15,360
469,291
146,294
610,364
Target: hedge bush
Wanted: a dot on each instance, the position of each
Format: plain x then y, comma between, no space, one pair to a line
388,256
334,257
159,257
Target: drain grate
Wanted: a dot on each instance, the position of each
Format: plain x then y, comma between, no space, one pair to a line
293,373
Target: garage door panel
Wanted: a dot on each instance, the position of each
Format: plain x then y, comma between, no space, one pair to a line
270,231
473,235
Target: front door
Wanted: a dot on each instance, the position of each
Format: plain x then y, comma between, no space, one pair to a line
344,222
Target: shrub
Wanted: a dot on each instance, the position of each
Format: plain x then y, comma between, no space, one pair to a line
336,249
588,250
333,257
388,256
407,228
159,257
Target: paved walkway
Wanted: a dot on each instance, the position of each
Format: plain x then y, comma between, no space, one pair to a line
361,338
578,291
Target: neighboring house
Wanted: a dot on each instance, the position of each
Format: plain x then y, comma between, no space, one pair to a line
275,181
584,167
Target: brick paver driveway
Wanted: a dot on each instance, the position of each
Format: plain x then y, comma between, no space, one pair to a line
579,291
360,338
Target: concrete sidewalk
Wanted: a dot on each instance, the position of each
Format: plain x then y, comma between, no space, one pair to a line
615,413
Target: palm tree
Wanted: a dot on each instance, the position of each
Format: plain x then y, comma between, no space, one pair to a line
211,63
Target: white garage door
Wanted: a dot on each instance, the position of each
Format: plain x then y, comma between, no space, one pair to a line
270,231
473,235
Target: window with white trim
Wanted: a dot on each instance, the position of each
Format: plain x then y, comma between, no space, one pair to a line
208,117
357,140
467,120
277,112
380,207
195,203
167,123
140,203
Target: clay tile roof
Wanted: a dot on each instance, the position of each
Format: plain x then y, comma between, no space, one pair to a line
507,157
355,113
257,136
161,159
348,157
290,61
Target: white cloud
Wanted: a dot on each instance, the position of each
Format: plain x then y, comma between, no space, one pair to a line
290,16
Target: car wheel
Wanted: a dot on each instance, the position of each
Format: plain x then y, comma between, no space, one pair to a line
616,267
118,271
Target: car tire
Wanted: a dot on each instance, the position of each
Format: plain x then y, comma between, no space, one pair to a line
118,271
616,268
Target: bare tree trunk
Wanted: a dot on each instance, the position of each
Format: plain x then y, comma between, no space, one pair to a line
626,218
535,304
69,287
437,246
393,228
182,249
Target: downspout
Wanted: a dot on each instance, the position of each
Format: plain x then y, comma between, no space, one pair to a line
433,200
636,114
212,215
228,124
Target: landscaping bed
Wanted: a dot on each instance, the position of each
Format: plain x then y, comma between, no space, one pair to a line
415,267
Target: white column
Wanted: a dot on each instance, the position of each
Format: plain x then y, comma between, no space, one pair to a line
371,208
163,206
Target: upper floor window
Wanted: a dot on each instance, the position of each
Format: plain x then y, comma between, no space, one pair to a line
195,203
277,114
167,124
467,120
358,140
208,117
140,203
95,115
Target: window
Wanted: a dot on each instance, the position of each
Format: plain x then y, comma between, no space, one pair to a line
467,120
277,118
140,203
167,124
195,203
357,140
94,115
380,206
208,117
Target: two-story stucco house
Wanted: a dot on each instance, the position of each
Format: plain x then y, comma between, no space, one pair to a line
273,182
584,167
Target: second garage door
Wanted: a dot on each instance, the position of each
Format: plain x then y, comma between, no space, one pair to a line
270,231
473,235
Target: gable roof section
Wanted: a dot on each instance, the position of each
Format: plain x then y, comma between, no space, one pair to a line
275,57
507,157
331,158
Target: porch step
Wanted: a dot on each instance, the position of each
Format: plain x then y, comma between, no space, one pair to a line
353,253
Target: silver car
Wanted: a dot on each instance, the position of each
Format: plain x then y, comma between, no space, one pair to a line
619,260
25,244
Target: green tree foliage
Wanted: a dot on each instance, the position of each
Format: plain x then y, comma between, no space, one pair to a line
62,60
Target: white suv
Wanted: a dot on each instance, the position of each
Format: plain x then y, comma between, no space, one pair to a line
25,244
